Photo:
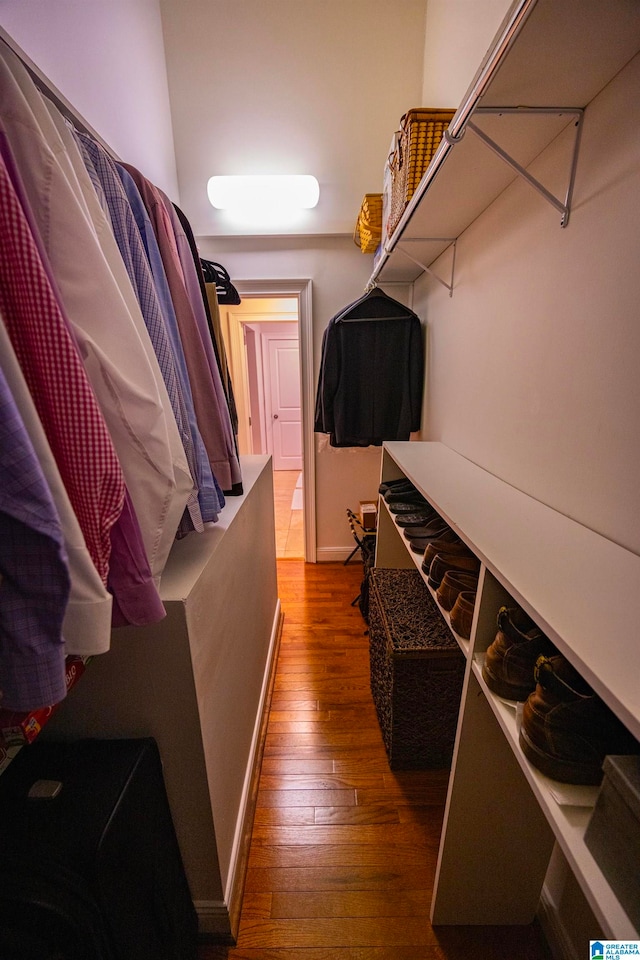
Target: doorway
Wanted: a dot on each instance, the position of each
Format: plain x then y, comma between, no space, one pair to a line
268,344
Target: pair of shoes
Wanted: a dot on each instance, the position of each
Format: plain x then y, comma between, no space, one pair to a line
436,531
465,563
453,584
421,516
567,730
407,506
387,485
420,544
461,615
510,660
410,494
452,546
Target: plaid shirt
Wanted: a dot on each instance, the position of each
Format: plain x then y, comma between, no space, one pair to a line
63,397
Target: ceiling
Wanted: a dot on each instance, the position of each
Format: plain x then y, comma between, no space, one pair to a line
290,86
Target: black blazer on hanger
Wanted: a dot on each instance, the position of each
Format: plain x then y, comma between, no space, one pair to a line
371,374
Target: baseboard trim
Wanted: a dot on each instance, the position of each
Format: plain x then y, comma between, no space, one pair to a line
213,921
332,554
554,930
244,824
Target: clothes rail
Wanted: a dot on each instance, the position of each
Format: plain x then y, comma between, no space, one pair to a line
49,90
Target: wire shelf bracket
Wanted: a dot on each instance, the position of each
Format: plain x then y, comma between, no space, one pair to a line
563,206
400,246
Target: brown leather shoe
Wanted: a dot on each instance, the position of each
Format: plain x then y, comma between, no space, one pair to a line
448,561
462,613
453,583
426,532
510,660
567,730
454,547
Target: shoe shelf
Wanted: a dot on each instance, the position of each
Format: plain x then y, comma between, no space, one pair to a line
568,810
503,816
396,552
548,60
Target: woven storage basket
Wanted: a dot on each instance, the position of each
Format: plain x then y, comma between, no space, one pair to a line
417,670
420,133
368,231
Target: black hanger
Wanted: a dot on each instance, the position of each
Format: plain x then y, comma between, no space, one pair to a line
374,305
216,273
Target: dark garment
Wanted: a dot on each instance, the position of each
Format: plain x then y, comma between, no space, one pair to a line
371,374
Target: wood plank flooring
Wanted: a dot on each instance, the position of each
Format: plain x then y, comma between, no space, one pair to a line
343,851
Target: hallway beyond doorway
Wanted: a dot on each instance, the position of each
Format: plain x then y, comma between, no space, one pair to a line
287,496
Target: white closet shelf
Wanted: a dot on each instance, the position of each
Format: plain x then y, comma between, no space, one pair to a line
549,59
503,815
567,577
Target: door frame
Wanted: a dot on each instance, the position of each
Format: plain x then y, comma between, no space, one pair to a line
301,290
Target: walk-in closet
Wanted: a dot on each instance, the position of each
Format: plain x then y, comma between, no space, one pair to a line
319,547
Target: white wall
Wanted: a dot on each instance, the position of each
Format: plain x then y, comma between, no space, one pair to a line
533,363
458,35
339,273
107,59
290,86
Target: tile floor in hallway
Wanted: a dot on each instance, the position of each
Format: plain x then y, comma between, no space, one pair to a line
287,491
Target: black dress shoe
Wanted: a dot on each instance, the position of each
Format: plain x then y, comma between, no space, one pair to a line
393,485
411,495
403,506
420,518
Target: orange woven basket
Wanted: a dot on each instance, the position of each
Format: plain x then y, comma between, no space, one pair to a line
368,231
420,134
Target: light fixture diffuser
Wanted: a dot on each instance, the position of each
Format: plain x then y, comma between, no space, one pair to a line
264,193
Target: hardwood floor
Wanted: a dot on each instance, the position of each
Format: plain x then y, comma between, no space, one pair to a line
343,850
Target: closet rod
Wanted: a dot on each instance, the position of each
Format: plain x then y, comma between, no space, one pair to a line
49,90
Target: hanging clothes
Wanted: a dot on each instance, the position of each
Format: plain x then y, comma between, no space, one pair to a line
35,583
57,380
371,373
212,310
203,503
86,628
210,417
232,472
209,492
105,317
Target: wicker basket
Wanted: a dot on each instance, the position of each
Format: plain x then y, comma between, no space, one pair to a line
368,232
417,671
418,138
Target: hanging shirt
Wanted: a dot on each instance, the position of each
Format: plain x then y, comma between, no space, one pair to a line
86,628
57,380
209,492
35,580
134,257
210,420
106,320
196,297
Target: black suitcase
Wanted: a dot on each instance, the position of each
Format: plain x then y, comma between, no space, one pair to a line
94,872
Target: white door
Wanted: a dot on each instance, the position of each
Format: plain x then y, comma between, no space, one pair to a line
283,396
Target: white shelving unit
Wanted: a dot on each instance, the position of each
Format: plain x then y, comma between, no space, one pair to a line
548,61
502,815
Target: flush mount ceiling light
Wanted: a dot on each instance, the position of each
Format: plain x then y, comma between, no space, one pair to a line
263,200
